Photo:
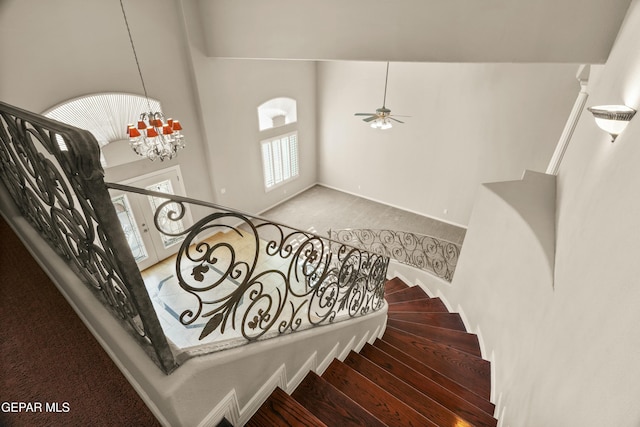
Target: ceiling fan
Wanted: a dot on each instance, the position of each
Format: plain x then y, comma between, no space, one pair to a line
381,119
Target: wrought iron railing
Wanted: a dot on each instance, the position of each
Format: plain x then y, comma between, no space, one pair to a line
436,256
53,174
260,278
238,273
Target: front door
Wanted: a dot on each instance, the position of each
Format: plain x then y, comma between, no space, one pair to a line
136,214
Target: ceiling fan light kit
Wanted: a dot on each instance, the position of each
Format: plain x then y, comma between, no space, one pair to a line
381,119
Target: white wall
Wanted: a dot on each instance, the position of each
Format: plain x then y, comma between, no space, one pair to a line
56,50
469,124
230,92
565,351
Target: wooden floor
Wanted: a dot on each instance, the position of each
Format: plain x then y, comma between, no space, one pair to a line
425,371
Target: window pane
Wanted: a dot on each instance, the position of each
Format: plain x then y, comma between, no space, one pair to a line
267,163
277,160
286,163
166,224
293,149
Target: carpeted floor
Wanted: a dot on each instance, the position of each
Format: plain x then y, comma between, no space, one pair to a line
48,358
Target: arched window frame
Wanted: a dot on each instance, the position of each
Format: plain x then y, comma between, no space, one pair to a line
106,115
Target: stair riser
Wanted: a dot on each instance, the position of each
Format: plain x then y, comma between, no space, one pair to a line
430,305
440,320
456,339
408,294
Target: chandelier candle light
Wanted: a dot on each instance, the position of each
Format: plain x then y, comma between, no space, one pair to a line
154,137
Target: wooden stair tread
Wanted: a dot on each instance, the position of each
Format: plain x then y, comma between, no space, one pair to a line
382,404
330,405
426,370
394,285
408,294
432,305
441,320
422,403
471,371
429,372
456,339
479,414
280,409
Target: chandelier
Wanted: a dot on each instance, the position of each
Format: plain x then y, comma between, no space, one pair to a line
154,136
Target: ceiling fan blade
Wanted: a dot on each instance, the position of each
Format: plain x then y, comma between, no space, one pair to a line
369,119
365,114
395,120
399,115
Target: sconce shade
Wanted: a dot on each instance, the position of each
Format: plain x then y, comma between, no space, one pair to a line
612,119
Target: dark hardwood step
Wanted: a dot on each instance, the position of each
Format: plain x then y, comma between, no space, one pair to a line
394,285
382,404
479,414
440,320
409,294
330,405
456,339
280,409
432,305
422,403
455,387
471,371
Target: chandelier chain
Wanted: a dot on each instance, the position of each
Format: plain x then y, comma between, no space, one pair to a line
126,22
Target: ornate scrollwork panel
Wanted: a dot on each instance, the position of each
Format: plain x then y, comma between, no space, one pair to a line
260,279
427,253
48,168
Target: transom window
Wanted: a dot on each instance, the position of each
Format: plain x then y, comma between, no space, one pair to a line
277,112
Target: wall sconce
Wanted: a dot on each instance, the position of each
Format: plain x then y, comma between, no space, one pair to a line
612,119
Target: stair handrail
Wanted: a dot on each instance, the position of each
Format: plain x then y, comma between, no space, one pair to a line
322,280
53,173
435,255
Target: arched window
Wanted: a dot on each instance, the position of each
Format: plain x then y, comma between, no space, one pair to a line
277,112
106,116
280,152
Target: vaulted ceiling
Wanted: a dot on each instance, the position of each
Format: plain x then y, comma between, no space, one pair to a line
565,31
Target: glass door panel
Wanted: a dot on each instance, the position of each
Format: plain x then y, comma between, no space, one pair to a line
130,227
136,214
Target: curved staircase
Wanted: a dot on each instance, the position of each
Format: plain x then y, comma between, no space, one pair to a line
425,371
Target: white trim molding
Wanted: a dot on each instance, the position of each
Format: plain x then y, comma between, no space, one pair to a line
572,121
